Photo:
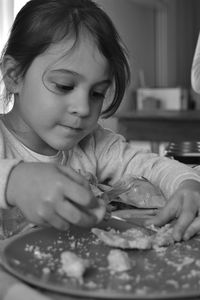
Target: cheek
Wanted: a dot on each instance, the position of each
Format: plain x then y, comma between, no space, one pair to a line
97,108
37,100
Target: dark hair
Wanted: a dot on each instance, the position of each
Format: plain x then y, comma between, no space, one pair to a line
43,22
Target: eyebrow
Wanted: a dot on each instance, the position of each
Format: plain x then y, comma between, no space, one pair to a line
64,71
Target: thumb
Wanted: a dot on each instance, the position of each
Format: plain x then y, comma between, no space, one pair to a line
74,175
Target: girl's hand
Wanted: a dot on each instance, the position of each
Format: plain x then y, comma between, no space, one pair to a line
184,205
55,195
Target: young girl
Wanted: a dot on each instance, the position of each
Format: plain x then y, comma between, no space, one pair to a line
65,66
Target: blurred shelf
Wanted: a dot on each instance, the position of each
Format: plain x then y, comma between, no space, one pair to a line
160,126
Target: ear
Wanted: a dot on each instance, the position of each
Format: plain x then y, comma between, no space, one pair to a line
9,68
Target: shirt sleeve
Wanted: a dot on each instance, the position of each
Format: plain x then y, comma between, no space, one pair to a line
118,159
6,166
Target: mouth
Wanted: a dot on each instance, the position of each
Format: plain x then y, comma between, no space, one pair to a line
73,128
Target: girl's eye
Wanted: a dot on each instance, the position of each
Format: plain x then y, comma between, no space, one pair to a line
59,88
98,95
63,88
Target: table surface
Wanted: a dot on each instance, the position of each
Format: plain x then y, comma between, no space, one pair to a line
160,125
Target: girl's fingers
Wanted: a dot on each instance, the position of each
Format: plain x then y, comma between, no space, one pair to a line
193,229
165,215
73,214
184,219
73,175
182,223
81,195
100,211
48,217
77,189
58,222
181,208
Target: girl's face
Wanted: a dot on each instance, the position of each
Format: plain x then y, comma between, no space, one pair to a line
60,98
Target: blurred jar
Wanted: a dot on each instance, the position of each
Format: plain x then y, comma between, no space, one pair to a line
186,152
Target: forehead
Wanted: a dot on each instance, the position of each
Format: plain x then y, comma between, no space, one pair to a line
83,57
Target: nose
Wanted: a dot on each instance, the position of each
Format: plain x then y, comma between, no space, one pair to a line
79,103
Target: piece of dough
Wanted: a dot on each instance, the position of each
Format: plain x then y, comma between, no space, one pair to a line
135,239
118,261
73,265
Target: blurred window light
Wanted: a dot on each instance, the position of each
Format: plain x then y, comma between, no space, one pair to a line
18,5
6,19
8,11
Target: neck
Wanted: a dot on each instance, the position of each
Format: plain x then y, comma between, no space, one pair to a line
26,136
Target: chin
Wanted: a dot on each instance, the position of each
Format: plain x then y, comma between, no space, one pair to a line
65,144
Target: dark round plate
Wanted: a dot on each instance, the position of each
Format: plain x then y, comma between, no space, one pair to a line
167,273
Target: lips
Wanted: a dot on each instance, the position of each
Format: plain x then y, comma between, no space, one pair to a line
73,127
